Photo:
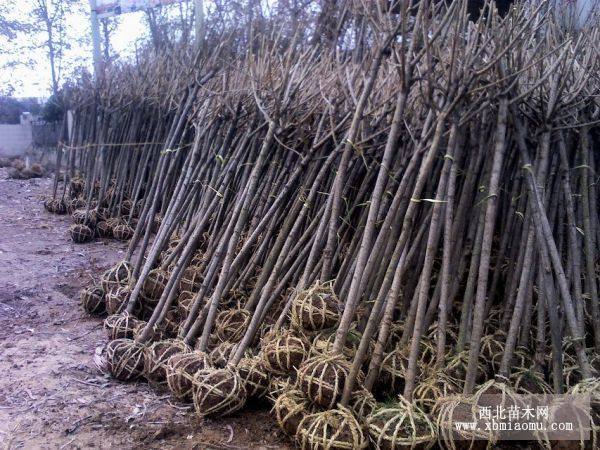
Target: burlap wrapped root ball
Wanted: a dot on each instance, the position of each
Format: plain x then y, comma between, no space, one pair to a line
290,408
125,359
322,379
401,426
316,308
120,326
117,276
156,357
231,324
154,284
254,376
80,234
218,392
181,369
92,300
335,429
283,352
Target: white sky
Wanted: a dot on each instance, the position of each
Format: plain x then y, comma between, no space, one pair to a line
30,77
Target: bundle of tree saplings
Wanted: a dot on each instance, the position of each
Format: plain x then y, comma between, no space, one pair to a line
371,233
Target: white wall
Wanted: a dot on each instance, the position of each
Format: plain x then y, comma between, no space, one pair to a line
15,140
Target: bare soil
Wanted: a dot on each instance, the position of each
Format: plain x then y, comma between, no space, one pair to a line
52,395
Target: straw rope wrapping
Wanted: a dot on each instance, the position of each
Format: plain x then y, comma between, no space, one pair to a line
223,351
122,232
572,411
284,352
456,366
125,359
116,299
92,300
435,386
393,369
403,426
181,369
83,217
119,275
81,233
231,324
278,386
331,430
120,326
254,376
322,379
323,344
74,204
155,283
156,357
103,230
451,410
362,403
191,280
316,308
158,333
529,381
184,303
290,408
591,387
218,392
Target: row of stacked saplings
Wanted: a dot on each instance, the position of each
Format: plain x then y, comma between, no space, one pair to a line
295,369
114,217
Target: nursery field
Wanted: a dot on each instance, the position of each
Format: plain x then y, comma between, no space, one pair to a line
52,394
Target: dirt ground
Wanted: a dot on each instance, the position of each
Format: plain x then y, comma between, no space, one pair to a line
51,393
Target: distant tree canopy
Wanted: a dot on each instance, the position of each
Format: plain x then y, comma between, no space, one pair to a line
11,108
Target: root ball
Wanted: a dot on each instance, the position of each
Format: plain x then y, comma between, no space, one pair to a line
125,358
155,283
80,234
92,300
180,371
156,357
401,426
290,408
218,392
231,324
120,326
284,352
316,309
332,430
254,376
322,379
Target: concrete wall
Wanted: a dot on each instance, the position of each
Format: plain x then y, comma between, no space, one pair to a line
15,140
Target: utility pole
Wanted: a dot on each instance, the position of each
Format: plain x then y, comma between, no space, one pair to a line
199,22
95,40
